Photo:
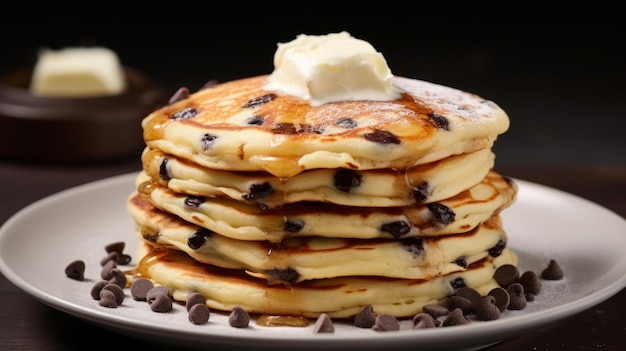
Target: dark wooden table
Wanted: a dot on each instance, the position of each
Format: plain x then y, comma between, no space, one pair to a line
27,324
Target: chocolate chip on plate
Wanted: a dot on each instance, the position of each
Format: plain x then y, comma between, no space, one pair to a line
199,313
366,318
386,322
323,324
506,275
139,289
552,272
455,317
75,270
424,320
238,318
194,298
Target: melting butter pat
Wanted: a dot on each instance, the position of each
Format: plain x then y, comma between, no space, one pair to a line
332,67
78,72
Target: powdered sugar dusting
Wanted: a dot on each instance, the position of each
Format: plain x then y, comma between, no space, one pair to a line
450,102
366,114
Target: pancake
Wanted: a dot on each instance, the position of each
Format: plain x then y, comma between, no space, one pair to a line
241,221
425,183
305,258
239,126
341,297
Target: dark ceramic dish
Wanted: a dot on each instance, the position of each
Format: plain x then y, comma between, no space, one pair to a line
74,129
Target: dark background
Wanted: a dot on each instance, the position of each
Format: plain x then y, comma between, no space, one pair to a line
558,70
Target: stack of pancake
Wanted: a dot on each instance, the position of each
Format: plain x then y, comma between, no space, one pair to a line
326,187
258,199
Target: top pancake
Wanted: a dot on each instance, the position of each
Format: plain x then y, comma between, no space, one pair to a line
239,126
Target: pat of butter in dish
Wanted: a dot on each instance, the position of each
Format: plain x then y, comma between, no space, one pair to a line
78,72
329,68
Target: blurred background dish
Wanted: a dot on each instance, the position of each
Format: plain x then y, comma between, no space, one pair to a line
69,129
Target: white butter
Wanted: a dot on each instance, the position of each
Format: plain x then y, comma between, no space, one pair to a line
332,67
78,72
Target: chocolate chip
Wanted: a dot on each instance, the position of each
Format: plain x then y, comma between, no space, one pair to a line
486,309
469,293
152,294
111,256
386,322
107,294
347,179
530,282
117,290
238,318
259,191
75,270
116,257
421,192
346,123
199,314
186,113
118,278
365,318
105,272
258,101
160,302
198,238
458,302
498,248
117,246
382,137
424,320
287,275
435,311
397,228
181,94
293,225
123,259
193,299
151,237
457,283
323,324
163,173
193,201
440,121
255,121
207,141
518,298
455,317
506,275
108,299
552,272
442,214
139,289
97,287
414,245
501,297
461,262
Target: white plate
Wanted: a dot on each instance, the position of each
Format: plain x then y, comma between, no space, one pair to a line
37,243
